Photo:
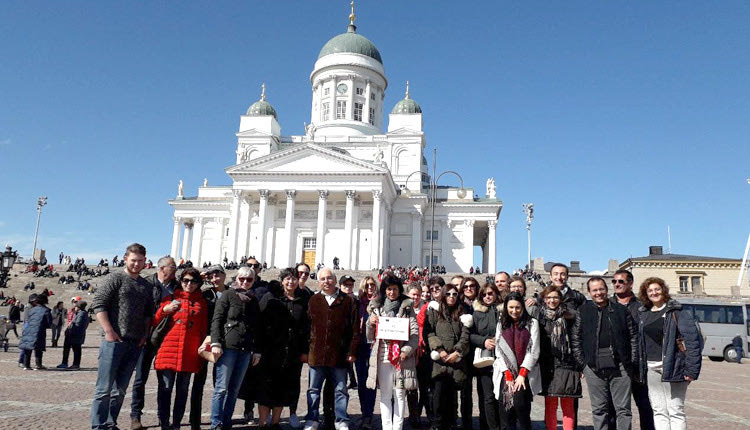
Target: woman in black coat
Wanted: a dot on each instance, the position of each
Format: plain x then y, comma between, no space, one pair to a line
487,311
284,315
561,373
667,366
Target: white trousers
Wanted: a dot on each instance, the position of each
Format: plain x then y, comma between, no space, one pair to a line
392,399
667,401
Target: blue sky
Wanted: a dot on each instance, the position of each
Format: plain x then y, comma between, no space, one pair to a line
615,118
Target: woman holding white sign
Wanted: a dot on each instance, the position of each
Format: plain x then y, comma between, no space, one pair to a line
392,327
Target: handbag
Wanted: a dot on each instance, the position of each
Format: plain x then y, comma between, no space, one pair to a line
204,351
680,341
483,358
161,330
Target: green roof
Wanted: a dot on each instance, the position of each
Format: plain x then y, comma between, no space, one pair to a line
261,108
351,42
407,106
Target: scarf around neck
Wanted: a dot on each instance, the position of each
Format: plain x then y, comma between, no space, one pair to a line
518,340
391,307
557,330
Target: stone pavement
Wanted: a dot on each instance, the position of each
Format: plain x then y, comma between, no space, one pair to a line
55,399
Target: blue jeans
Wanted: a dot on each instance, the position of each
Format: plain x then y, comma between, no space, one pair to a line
164,395
362,365
116,363
337,375
230,370
142,369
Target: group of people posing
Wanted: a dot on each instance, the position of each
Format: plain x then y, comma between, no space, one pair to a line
421,345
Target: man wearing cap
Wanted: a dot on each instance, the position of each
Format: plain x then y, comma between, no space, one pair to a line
334,336
216,276
163,284
66,341
123,305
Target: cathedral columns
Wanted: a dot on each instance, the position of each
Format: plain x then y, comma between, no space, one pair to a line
366,109
321,233
416,237
175,239
348,224
234,219
186,241
243,232
377,197
262,209
468,238
197,242
289,228
492,247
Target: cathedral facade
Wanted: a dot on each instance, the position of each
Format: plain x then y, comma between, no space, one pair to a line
344,189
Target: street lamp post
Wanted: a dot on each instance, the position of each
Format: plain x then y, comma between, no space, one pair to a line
40,202
528,209
432,197
8,260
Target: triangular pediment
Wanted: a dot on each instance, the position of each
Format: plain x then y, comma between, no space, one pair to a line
253,133
404,131
307,157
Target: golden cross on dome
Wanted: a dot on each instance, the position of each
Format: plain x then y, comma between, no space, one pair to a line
407,90
263,92
352,16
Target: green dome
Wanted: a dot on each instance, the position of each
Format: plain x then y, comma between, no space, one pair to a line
407,106
261,108
351,42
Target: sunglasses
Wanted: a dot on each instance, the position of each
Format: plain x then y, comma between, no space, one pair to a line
189,281
451,294
256,265
371,284
489,294
246,279
619,281
434,289
303,273
470,286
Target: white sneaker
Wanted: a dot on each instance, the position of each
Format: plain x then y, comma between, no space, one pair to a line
342,425
311,425
294,421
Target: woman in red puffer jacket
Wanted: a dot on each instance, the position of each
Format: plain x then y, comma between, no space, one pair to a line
177,356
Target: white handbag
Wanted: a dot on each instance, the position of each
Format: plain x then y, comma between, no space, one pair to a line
483,358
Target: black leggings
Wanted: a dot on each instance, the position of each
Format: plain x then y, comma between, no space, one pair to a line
521,410
444,402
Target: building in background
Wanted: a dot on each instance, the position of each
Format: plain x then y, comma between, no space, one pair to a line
344,189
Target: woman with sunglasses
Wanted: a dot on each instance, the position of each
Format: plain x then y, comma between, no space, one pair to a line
236,342
447,331
670,352
487,312
177,358
468,288
516,371
303,275
560,372
368,291
393,364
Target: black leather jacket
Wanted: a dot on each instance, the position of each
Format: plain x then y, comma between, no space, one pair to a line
624,335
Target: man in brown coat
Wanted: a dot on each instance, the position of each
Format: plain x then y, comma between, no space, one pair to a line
334,320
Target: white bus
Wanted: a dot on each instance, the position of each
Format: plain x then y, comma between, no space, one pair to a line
720,322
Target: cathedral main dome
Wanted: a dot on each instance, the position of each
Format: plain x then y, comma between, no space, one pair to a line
351,42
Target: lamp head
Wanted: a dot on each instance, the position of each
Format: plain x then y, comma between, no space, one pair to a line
461,193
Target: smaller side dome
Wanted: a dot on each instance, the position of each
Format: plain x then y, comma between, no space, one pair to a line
407,105
262,107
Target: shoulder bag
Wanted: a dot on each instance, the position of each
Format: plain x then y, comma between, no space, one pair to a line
680,341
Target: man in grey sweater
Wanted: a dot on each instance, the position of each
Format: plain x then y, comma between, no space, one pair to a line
124,306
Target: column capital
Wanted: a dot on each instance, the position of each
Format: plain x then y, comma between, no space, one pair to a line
492,224
290,194
189,224
469,222
177,219
377,194
323,194
237,193
351,194
264,194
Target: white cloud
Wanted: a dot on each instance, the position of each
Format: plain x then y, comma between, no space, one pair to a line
596,272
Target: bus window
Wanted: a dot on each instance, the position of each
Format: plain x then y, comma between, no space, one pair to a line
711,314
748,318
688,308
734,315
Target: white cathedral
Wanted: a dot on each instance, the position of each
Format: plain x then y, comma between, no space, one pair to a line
342,190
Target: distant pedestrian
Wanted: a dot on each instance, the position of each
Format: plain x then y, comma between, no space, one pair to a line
737,344
58,315
75,336
34,335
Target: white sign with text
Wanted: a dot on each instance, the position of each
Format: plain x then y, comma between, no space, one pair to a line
392,328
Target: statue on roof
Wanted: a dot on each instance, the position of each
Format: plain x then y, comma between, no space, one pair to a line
180,189
491,190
